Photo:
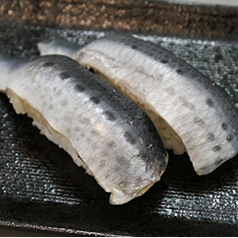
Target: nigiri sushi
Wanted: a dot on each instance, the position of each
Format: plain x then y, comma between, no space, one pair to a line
106,133
191,113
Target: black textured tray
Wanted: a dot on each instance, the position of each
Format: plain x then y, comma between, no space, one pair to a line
42,189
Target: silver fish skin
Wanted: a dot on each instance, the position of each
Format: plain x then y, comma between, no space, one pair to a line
103,131
191,113
58,46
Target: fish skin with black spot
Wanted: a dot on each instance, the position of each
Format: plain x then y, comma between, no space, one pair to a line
103,131
191,113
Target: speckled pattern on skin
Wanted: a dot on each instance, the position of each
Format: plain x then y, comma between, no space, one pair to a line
113,136
147,74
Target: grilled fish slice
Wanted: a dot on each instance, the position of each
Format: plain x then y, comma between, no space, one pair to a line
190,112
101,129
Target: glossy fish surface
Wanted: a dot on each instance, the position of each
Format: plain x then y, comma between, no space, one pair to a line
103,131
191,113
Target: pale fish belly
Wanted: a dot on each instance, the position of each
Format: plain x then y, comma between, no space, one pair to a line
103,131
190,112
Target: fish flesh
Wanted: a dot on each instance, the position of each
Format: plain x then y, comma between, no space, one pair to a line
103,131
191,113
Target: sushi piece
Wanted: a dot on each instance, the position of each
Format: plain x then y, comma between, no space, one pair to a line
191,113
103,131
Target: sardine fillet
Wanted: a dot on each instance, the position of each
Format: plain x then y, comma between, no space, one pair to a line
190,112
104,132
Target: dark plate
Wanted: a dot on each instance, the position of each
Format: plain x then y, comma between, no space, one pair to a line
42,189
